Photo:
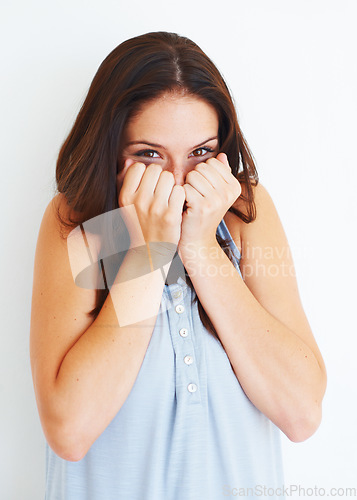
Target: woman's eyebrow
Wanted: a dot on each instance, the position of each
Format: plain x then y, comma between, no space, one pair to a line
163,147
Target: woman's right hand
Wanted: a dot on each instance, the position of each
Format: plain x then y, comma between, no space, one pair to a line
151,204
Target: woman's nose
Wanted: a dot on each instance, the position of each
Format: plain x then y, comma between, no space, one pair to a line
179,171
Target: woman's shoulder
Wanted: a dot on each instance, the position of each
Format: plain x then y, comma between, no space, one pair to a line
51,228
266,219
59,217
57,265
260,196
264,207
52,244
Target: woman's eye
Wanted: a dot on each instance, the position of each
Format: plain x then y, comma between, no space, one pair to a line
147,153
207,150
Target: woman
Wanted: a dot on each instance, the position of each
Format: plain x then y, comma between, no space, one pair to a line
176,389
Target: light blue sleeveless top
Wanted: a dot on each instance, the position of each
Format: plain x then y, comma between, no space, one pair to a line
187,431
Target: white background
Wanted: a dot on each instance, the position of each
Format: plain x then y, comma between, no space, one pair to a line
291,66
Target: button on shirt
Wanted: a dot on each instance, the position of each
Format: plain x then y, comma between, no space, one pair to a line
186,431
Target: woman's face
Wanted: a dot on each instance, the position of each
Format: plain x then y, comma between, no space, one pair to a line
175,132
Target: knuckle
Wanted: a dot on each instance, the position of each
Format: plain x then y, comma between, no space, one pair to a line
168,218
123,198
228,198
237,187
154,210
140,204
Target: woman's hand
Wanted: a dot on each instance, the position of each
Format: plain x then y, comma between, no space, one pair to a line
210,190
151,204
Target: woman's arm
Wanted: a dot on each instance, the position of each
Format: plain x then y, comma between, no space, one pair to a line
83,370
261,322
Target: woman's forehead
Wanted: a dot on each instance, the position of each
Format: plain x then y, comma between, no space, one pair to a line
187,116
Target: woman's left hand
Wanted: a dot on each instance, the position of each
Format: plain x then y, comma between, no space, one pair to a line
210,190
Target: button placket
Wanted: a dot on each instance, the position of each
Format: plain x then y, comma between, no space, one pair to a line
187,380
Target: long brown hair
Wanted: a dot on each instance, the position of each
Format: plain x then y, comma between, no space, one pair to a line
137,71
